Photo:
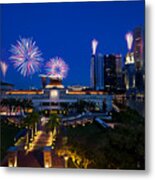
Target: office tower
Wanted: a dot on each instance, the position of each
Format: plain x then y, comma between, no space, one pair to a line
130,71
97,72
139,56
110,77
93,64
92,72
99,69
118,63
119,73
138,48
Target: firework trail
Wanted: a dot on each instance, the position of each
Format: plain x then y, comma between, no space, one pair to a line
129,39
94,46
4,67
56,68
26,56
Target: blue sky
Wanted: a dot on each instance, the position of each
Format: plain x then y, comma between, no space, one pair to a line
66,30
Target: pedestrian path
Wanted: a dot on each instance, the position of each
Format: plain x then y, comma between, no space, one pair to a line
41,140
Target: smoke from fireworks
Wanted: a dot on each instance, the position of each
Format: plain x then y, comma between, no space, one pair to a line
57,68
94,46
129,39
26,56
3,67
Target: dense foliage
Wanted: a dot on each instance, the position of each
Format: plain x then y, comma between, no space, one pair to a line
8,132
119,148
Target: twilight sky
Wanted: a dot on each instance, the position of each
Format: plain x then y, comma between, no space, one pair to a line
66,30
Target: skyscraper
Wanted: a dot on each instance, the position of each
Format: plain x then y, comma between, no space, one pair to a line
138,48
130,64
139,56
119,73
130,71
99,69
110,77
92,72
96,68
118,63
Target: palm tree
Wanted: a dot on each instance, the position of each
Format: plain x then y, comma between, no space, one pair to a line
34,116
53,125
26,104
27,124
8,103
30,122
4,103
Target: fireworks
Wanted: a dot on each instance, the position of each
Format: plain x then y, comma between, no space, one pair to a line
57,68
3,67
26,56
94,46
129,39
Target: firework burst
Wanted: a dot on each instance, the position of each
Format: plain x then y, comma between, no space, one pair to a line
57,68
4,67
26,56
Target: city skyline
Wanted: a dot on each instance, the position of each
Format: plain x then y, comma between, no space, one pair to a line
59,41
73,85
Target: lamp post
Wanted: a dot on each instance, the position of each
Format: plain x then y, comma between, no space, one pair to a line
66,161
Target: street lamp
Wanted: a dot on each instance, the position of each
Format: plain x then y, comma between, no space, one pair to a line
66,161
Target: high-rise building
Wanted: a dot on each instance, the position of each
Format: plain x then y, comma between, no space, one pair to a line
130,71
97,72
119,73
138,48
93,64
99,69
96,68
110,77
92,72
139,56
118,63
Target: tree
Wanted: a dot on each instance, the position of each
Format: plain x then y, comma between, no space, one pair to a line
8,103
26,104
30,122
119,148
53,125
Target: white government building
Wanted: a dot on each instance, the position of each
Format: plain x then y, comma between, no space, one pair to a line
54,94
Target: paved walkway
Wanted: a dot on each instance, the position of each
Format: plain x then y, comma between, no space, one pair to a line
41,140
33,157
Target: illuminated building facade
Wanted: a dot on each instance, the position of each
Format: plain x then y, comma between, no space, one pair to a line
130,71
54,96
